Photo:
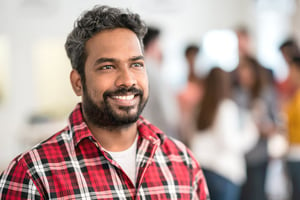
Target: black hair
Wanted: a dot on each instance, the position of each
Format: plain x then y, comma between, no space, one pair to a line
94,21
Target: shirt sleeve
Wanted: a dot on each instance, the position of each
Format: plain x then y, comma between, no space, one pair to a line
15,183
200,189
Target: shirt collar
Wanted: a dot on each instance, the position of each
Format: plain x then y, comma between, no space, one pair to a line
78,127
80,130
149,131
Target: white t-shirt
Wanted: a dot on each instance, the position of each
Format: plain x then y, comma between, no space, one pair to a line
127,160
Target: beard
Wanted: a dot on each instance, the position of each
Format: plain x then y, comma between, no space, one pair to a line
106,116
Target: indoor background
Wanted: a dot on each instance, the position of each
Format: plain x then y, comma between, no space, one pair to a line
35,93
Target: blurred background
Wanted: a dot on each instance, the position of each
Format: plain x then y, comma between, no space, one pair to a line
36,96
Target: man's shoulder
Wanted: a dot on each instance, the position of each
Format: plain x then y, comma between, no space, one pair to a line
175,146
167,143
177,151
55,140
49,149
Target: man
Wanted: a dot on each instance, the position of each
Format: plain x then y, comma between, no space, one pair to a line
107,151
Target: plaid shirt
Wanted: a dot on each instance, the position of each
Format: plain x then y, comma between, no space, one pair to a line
72,165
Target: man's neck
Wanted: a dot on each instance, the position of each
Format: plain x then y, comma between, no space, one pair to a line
115,139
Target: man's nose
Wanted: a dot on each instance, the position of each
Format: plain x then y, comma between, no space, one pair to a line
125,78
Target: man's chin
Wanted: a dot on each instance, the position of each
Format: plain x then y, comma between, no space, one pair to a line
123,121
127,118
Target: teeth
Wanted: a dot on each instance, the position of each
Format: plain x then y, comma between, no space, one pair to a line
129,97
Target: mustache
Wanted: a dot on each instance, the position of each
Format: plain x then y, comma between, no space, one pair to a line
123,91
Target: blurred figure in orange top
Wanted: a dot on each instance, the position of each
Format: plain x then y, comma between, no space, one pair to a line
293,130
286,89
190,95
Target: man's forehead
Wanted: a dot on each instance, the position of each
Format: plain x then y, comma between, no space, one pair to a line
117,45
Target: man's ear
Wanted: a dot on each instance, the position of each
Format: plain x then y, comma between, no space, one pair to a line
76,82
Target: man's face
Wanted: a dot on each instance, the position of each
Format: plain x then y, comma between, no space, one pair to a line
116,88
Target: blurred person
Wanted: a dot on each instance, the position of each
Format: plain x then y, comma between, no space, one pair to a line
254,93
244,41
162,108
107,151
190,95
191,52
293,129
243,46
222,138
289,49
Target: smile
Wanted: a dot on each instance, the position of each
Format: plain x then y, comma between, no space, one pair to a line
127,97
125,100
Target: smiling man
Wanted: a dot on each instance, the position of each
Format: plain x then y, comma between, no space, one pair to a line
107,151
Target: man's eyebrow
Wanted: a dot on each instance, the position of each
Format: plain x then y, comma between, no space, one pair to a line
113,60
102,60
135,58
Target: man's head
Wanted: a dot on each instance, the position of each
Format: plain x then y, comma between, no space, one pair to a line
94,21
106,53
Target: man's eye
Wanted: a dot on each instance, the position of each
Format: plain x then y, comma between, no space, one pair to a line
105,67
137,65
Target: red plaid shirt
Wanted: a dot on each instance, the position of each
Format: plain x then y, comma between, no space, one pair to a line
72,165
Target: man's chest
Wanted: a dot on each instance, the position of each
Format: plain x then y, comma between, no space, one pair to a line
98,178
